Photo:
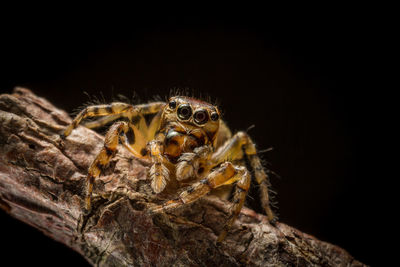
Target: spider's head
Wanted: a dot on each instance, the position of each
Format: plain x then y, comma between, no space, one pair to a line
193,113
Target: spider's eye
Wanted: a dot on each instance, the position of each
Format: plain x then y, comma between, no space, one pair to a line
172,104
200,117
214,116
184,111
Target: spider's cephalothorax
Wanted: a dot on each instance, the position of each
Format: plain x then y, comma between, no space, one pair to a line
186,141
187,124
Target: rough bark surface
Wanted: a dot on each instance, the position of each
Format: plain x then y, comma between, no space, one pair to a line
42,181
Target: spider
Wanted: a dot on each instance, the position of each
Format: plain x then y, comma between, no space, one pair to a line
186,140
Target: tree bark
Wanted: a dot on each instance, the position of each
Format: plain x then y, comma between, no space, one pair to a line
42,179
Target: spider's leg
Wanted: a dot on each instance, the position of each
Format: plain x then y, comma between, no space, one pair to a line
242,187
103,158
139,132
126,110
188,163
131,138
98,110
216,178
234,149
224,134
159,173
102,121
225,174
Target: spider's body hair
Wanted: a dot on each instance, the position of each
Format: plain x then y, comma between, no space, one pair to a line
186,142
195,94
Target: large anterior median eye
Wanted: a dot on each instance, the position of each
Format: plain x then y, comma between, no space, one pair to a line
200,116
184,111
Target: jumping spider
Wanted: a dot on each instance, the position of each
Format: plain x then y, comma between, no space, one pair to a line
186,140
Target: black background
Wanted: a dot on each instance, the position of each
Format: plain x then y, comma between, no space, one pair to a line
303,83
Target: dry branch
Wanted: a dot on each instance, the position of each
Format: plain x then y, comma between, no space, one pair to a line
41,182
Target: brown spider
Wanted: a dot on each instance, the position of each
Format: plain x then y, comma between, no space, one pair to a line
187,141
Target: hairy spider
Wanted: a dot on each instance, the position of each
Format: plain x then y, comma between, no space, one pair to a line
187,141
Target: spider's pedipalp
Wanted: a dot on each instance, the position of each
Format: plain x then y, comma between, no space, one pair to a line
188,163
159,174
187,166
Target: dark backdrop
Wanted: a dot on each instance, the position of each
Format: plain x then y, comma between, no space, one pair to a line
301,84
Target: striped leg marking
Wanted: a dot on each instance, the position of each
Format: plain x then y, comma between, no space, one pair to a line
102,121
159,174
225,174
113,111
242,187
215,179
234,149
103,158
99,110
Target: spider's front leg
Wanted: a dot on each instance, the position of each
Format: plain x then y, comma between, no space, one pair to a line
225,174
233,149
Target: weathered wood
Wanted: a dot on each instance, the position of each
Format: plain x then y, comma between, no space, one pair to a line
41,183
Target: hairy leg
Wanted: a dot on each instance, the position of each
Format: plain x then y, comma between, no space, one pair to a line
102,121
103,158
224,134
113,109
241,189
129,136
234,149
159,173
225,174
99,110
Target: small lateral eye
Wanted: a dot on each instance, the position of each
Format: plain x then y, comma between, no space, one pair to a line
200,117
172,104
214,116
184,111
